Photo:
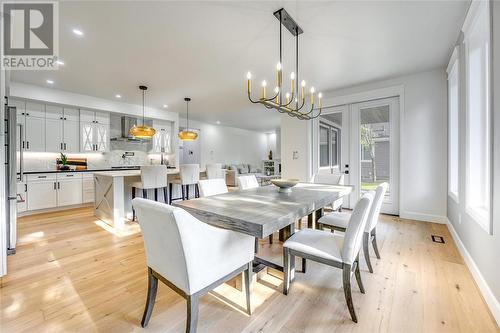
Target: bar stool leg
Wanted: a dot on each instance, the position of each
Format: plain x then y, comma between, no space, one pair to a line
170,187
144,193
183,193
133,210
156,194
165,196
196,191
187,192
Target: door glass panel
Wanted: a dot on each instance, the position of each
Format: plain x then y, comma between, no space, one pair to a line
335,148
375,140
324,151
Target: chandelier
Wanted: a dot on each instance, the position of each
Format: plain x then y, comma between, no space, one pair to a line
143,131
187,134
288,102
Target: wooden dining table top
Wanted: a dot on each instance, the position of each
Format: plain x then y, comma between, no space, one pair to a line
261,211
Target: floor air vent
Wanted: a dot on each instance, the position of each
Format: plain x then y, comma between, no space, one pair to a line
437,239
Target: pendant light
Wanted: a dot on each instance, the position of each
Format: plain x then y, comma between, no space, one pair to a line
187,134
143,131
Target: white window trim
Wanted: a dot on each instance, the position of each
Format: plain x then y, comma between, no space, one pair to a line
483,217
454,61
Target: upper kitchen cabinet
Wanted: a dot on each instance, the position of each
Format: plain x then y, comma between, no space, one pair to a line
32,121
62,129
94,137
162,139
96,117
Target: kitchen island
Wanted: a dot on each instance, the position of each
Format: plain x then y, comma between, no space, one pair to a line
113,194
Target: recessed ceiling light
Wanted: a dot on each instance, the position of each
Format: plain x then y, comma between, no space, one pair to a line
118,96
60,62
78,32
217,122
165,106
50,82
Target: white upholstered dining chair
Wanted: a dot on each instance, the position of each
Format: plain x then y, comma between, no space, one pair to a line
214,186
336,178
331,249
152,177
340,220
247,182
189,256
215,170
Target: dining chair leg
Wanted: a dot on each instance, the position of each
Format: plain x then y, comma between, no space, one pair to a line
165,195
133,210
366,250
357,272
246,276
150,300
144,193
271,238
374,242
192,313
156,194
256,245
183,192
170,189
286,270
346,277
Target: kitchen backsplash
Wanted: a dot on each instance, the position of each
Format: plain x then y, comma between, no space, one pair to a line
47,161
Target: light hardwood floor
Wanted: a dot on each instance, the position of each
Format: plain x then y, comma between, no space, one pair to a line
70,274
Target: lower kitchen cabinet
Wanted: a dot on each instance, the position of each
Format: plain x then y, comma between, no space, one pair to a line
88,188
42,191
46,191
69,189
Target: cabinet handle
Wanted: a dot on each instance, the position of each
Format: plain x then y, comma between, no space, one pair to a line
54,185
27,114
58,185
42,177
61,118
65,146
23,144
61,146
27,145
25,187
65,118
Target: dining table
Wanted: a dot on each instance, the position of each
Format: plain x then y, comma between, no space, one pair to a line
262,211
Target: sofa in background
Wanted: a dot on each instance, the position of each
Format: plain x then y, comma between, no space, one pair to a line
235,170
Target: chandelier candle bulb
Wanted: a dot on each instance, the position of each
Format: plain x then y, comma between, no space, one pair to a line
264,84
292,82
312,95
277,90
303,84
249,82
320,95
278,74
287,98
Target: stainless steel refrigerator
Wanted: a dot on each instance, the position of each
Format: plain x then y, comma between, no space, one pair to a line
13,173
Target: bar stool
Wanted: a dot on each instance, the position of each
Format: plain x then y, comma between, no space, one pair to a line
152,177
189,174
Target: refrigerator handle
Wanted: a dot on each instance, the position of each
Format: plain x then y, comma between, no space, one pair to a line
21,159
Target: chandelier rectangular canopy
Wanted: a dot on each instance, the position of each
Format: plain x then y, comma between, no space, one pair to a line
288,102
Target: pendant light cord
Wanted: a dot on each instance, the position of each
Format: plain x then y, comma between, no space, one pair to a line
143,110
187,114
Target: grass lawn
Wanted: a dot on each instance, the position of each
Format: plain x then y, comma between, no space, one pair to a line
371,186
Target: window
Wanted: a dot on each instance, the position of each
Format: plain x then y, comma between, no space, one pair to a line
329,145
478,135
453,125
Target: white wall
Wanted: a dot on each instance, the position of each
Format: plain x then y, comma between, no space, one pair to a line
423,165
222,144
479,248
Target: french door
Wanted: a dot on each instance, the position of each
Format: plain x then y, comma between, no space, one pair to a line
375,149
361,140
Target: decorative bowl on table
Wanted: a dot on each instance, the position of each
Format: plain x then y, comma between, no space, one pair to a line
285,185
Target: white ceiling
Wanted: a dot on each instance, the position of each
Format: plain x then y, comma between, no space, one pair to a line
204,49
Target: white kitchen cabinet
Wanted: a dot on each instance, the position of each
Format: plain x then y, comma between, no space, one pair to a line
53,112
42,191
71,114
35,109
162,139
54,135
69,189
71,136
94,137
97,117
34,134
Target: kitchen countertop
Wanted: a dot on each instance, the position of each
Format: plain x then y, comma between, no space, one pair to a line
88,170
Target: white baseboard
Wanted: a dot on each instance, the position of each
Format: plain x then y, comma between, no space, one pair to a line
423,217
488,296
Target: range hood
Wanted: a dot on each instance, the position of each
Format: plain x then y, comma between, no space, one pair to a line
127,123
